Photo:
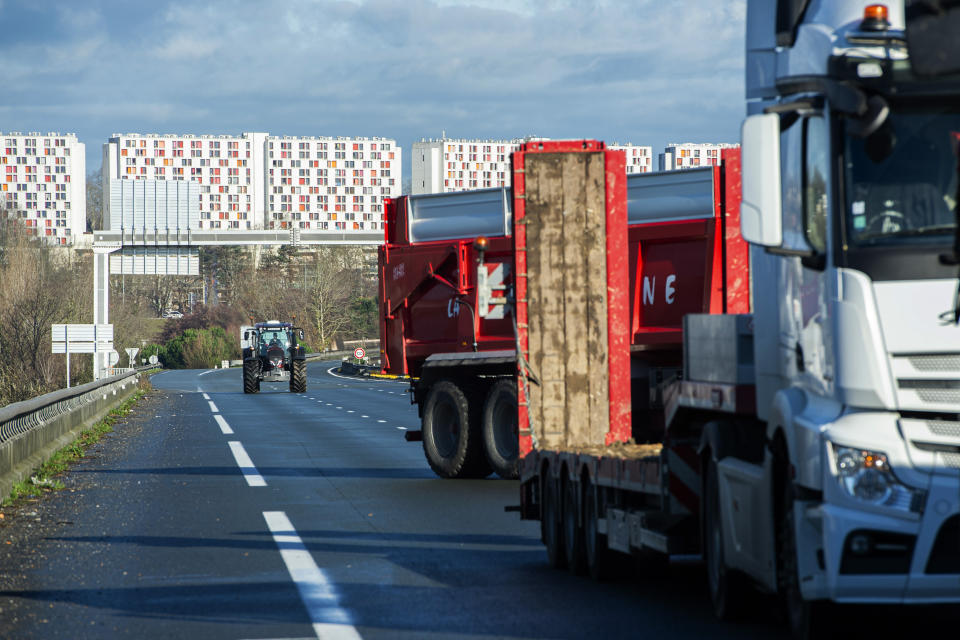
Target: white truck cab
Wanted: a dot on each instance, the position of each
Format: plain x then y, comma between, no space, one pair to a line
850,204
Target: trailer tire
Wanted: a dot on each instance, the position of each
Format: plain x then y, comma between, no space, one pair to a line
728,588
452,448
251,383
501,438
298,376
598,557
551,522
806,619
572,531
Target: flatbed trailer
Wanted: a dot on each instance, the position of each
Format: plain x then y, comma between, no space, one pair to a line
633,482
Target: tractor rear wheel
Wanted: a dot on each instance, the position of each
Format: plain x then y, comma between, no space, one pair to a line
298,376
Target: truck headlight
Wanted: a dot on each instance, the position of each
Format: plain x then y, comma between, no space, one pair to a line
866,475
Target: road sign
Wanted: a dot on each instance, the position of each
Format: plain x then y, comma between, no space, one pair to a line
114,358
153,359
80,338
358,353
131,354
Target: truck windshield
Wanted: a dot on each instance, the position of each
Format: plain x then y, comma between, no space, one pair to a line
901,182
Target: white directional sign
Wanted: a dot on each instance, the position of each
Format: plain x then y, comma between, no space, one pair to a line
81,338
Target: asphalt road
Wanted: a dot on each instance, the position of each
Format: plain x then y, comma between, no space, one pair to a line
214,514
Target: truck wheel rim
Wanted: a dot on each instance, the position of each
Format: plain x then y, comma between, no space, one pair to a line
446,429
505,431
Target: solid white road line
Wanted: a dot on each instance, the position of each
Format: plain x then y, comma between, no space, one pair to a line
206,397
213,407
224,427
319,596
250,473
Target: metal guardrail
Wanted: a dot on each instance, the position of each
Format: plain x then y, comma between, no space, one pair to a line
33,429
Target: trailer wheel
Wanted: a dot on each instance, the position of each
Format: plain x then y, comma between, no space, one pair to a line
298,376
572,531
251,384
728,589
501,437
806,619
551,523
596,553
449,443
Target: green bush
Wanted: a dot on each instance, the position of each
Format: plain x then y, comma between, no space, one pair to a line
198,349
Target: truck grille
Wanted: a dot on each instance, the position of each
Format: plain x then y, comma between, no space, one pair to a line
943,363
944,428
933,390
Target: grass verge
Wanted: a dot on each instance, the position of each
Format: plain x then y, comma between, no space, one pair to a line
46,478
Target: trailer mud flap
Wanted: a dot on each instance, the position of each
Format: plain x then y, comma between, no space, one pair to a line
618,530
414,435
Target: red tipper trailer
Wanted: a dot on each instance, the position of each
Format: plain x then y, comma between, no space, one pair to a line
604,470
446,295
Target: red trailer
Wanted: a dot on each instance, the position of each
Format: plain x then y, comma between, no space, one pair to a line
447,277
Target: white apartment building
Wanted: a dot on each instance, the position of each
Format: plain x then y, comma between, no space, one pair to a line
259,181
227,169
639,157
44,184
688,155
330,183
454,164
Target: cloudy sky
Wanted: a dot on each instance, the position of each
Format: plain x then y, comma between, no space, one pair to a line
639,71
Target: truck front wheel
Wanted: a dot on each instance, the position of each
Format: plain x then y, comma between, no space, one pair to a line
501,439
451,446
807,619
727,588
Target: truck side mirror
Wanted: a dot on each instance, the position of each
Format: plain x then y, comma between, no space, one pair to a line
760,213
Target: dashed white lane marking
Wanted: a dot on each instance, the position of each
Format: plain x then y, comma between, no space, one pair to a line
206,397
339,407
224,427
363,416
206,372
250,473
382,421
330,620
402,428
213,407
349,410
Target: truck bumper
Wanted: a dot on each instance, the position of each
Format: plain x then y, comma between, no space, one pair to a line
907,561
